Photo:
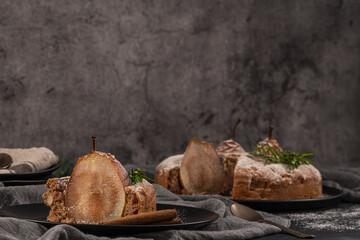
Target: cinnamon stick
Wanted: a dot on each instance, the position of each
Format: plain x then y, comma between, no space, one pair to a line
143,218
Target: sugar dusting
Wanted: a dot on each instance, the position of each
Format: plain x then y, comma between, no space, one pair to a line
170,162
345,217
230,146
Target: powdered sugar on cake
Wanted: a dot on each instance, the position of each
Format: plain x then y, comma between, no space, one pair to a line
171,162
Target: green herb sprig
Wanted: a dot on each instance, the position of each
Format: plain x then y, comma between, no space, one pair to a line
137,176
292,159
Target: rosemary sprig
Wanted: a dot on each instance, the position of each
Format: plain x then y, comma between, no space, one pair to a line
292,159
137,176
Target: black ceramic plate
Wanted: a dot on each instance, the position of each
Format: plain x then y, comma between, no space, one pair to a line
29,176
331,197
23,182
192,218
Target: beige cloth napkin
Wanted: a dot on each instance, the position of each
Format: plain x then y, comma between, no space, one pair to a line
27,160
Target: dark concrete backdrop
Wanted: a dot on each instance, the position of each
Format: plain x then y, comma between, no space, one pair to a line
147,76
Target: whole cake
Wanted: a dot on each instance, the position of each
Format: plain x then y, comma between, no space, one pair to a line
245,176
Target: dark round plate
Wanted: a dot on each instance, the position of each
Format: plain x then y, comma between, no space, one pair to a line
23,182
31,175
331,197
192,218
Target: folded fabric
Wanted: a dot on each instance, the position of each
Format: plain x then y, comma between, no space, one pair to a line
344,178
27,160
225,227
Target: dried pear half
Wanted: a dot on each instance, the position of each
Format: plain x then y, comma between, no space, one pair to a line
96,189
201,169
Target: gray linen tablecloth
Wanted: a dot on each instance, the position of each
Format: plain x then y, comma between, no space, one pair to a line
225,227
346,179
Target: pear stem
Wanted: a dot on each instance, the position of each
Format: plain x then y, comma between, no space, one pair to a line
234,129
270,131
93,143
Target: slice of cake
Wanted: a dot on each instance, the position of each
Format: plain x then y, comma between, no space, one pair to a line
139,198
54,197
99,189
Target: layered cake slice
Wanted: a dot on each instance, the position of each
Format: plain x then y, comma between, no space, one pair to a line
99,189
54,197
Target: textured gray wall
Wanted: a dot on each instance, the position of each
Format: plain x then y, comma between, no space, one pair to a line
147,76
